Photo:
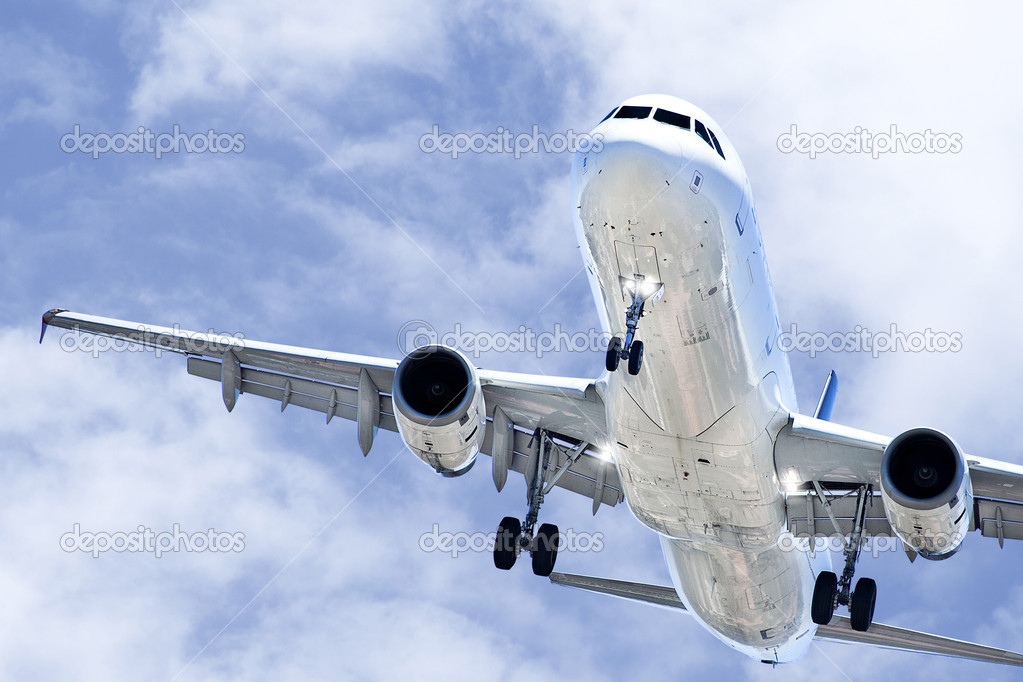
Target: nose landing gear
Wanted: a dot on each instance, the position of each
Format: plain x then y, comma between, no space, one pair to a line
641,290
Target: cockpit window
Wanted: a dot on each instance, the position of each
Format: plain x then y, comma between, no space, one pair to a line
672,119
717,145
633,112
610,114
710,138
701,130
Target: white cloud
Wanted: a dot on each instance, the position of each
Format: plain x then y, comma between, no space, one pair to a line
310,52
42,82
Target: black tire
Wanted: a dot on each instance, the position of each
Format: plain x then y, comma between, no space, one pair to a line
822,608
545,551
508,533
635,357
861,608
614,349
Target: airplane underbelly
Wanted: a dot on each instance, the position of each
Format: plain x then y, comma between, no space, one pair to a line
719,487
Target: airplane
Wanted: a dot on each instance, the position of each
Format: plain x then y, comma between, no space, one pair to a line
692,421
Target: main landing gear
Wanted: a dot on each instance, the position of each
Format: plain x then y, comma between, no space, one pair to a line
829,590
513,536
640,289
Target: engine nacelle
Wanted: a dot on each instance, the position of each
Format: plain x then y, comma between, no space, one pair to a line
925,486
438,404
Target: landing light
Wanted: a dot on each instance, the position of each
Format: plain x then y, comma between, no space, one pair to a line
640,287
790,481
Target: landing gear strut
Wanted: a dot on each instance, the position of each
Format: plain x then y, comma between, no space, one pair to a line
829,590
513,536
640,290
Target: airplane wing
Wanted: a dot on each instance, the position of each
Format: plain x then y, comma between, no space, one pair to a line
839,630
841,458
358,388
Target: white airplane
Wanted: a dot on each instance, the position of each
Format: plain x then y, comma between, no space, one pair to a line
700,435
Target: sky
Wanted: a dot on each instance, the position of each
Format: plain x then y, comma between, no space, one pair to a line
325,225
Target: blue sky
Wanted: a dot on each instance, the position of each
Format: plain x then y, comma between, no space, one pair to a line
331,229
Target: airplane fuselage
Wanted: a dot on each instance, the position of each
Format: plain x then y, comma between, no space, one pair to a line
664,200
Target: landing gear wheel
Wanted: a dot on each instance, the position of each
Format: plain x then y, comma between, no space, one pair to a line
635,357
504,545
825,589
861,610
545,552
614,354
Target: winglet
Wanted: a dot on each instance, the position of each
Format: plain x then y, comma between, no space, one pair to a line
827,401
47,318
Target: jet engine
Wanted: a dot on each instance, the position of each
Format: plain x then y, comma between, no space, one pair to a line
925,486
438,404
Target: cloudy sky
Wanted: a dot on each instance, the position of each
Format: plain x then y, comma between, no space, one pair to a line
330,228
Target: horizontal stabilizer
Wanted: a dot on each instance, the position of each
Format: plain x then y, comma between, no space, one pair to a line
891,637
650,594
839,630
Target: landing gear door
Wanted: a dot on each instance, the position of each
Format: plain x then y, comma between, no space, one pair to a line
637,263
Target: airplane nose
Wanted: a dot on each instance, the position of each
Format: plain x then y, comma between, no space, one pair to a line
630,170
640,155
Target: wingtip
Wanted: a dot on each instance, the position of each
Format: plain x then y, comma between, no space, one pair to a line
47,318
